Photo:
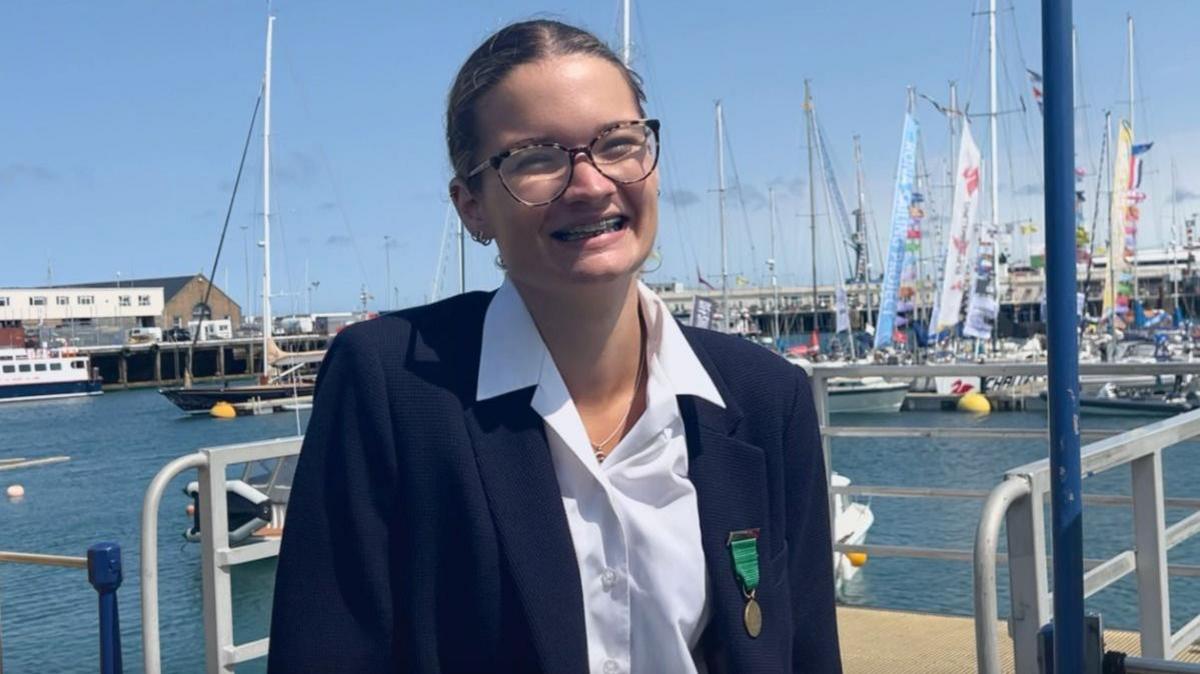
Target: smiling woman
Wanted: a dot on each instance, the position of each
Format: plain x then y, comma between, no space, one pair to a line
555,476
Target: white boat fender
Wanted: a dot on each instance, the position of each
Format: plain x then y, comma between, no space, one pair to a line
248,510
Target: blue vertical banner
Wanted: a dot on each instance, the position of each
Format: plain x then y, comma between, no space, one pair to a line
901,217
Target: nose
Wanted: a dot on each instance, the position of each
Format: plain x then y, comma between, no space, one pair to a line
587,182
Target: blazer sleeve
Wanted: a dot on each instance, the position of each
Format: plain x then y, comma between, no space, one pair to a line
333,607
810,553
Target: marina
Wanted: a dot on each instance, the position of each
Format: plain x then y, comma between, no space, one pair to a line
1003,360
958,454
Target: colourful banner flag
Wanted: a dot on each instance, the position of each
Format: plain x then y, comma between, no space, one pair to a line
901,217
961,234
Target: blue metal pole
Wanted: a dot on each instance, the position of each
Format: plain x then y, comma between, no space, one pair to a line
104,573
1063,336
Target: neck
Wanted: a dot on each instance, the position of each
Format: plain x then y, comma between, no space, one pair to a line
593,333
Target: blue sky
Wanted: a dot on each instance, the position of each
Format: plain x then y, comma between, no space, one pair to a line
123,123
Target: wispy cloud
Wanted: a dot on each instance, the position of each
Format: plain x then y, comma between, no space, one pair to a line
338,240
298,168
794,185
681,198
326,206
31,172
1182,194
754,199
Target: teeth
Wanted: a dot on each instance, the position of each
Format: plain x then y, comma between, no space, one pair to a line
590,230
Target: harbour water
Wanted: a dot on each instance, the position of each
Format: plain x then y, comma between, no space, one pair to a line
118,441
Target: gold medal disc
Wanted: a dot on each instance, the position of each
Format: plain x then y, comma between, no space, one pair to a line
752,616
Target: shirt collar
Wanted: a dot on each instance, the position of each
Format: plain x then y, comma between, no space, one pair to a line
513,354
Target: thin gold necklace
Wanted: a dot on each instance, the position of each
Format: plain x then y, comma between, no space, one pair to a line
597,447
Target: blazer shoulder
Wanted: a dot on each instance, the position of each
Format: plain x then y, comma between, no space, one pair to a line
737,359
446,323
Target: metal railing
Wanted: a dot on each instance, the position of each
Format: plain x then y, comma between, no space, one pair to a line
221,653
103,564
1018,502
1021,498
1026,555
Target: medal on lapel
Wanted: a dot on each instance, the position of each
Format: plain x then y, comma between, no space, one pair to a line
743,548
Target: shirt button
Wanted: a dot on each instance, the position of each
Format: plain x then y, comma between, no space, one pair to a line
608,578
611,667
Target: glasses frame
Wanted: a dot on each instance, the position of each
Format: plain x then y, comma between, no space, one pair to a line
495,160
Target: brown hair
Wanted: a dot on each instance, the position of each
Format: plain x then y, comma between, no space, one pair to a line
514,45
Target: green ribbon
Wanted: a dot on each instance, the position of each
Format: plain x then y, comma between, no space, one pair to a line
745,562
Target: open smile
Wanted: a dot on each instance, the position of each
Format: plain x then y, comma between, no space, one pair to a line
591,230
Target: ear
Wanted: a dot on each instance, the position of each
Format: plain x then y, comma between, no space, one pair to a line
470,208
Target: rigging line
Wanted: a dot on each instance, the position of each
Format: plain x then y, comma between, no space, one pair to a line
1024,115
337,192
974,62
737,180
682,222
1148,125
1087,279
1083,108
224,230
279,225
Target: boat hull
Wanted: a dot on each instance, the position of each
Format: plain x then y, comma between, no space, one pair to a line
49,390
1131,408
201,400
871,399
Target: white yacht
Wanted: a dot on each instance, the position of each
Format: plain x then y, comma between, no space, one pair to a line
38,374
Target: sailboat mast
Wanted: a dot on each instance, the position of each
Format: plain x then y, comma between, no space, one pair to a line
1129,25
1137,295
812,203
774,278
860,225
266,279
625,51
995,142
721,218
1110,266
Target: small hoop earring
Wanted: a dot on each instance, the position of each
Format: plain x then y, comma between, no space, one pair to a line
480,239
499,262
655,255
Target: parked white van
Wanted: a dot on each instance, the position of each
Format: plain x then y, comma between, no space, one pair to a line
214,329
143,335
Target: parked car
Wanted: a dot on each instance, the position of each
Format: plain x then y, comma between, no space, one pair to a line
143,335
177,335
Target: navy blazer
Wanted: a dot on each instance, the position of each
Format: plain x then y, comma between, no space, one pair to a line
426,532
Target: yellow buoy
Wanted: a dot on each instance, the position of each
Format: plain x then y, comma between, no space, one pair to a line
223,410
857,558
975,403
15,491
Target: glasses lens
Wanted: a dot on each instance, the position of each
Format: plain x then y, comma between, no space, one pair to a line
626,154
535,174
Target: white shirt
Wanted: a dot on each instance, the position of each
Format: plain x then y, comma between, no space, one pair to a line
633,519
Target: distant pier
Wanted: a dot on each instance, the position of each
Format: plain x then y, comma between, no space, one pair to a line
164,363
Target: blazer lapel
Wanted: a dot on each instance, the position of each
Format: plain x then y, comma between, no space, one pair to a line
522,490
730,476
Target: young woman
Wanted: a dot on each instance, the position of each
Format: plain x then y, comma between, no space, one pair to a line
555,476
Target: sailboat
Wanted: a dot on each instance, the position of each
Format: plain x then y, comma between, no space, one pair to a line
278,366
846,394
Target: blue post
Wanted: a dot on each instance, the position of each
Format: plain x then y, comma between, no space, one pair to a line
104,573
1062,334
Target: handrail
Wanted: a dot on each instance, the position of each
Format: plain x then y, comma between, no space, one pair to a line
987,537
151,655
43,560
996,369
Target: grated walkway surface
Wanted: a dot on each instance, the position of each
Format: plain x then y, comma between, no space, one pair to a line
900,642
